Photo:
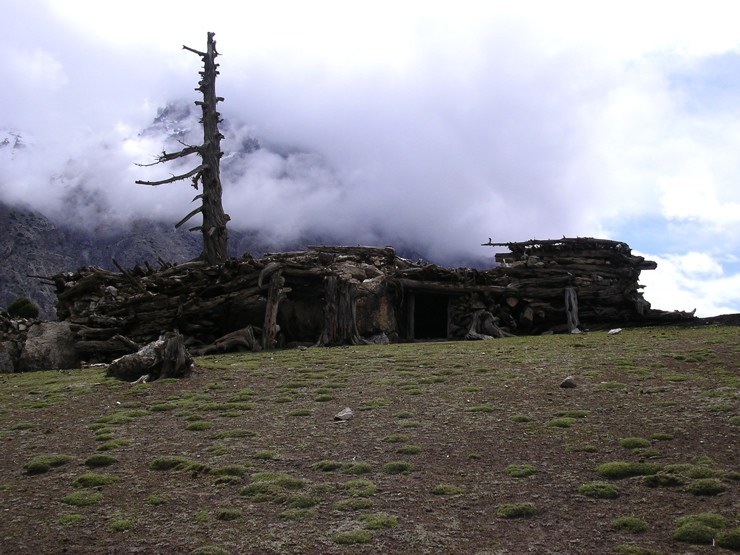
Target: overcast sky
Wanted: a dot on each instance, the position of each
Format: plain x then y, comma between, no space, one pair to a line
443,124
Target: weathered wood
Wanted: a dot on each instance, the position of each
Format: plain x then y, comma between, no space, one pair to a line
213,228
571,309
276,293
164,358
324,287
330,328
240,340
447,288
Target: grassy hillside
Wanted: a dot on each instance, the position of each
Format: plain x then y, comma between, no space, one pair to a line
454,448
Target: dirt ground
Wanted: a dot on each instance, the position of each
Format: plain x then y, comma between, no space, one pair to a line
267,470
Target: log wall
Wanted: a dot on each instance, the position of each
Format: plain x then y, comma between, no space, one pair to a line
336,295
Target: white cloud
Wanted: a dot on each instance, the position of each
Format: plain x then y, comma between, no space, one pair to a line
440,125
691,281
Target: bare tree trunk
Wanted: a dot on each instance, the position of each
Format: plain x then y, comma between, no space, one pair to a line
213,228
215,236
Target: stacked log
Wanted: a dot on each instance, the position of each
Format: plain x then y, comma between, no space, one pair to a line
338,295
221,307
592,282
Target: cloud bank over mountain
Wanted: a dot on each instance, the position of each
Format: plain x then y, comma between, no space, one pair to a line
434,127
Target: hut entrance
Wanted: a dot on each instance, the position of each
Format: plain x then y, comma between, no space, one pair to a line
430,316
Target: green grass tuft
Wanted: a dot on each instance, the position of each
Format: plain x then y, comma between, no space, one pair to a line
634,442
706,487
82,498
729,539
121,525
360,488
563,422
92,480
234,433
695,533
398,467
378,521
520,418
113,444
230,470
199,426
447,489
663,480
296,514
713,520
574,413
202,516
515,510
629,524
403,414
600,490
326,466
228,514
353,504
619,469
44,463
298,501
395,438
99,460
356,468
520,471
352,537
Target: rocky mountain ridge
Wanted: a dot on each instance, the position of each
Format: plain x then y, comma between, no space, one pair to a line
32,246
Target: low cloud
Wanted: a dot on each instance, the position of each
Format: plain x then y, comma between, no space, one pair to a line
691,281
442,131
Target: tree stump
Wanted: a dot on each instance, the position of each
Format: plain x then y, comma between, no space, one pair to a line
166,357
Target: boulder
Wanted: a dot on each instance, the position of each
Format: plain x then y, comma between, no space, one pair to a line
49,346
7,360
568,383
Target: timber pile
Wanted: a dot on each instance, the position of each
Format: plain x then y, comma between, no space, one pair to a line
594,282
223,307
353,295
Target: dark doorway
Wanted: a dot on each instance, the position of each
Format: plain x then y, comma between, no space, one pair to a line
430,316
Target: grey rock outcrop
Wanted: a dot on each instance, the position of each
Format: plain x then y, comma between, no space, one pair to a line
7,361
49,346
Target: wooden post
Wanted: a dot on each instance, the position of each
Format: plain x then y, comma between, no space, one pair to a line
276,293
571,309
329,331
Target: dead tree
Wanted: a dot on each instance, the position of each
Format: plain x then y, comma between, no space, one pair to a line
213,227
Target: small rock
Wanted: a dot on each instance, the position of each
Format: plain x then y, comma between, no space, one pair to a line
568,383
615,331
344,415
